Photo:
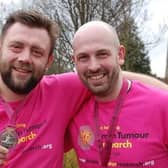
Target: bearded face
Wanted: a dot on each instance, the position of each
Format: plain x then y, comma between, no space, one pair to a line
24,57
19,77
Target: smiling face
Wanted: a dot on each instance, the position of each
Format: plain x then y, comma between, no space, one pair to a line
24,56
98,58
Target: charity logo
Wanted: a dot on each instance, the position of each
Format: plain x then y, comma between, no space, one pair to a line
86,137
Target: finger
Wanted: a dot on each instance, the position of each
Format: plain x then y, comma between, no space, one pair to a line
1,162
3,156
3,150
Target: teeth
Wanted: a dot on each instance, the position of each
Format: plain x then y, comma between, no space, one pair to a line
97,77
22,70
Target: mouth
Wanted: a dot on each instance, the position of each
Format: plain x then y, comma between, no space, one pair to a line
22,73
22,70
96,77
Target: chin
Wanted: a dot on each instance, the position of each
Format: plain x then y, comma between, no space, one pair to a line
97,91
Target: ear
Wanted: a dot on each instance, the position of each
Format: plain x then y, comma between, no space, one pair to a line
74,61
50,61
121,55
73,58
0,43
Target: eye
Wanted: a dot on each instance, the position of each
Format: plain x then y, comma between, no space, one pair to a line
82,58
16,48
102,54
37,53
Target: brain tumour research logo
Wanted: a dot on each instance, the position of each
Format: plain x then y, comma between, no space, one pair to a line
86,137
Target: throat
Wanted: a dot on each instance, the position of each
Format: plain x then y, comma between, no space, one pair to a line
10,96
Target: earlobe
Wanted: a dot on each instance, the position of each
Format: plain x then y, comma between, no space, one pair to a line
0,44
50,61
46,69
73,58
121,55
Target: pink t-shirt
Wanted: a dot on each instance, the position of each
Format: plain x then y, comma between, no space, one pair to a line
41,123
141,135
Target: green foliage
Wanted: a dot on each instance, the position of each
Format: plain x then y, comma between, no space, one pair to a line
136,56
70,160
71,14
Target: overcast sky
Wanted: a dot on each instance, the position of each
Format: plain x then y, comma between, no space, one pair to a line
158,11
157,15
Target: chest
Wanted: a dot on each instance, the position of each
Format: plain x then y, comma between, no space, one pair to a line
136,134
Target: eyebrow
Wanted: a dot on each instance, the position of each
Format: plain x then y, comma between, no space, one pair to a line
103,50
38,48
81,54
22,43
15,42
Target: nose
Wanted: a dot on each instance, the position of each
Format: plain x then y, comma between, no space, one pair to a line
25,56
94,65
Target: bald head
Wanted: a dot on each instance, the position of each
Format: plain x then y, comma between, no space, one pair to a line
98,56
95,29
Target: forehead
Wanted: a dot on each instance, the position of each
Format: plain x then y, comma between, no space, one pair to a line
24,34
93,38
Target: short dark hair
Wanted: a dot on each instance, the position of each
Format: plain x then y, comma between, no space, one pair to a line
34,19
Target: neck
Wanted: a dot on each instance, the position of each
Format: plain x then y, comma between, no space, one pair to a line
7,94
114,92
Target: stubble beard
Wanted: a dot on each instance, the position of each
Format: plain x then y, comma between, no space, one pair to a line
110,85
22,87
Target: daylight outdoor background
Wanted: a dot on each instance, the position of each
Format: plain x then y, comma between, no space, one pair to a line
141,25
151,20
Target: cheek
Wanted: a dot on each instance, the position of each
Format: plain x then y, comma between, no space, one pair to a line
81,67
4,59
8,56
110,63
113,66
40,67
40,62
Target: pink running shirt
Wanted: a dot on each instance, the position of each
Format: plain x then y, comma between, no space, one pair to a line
141,135
41,123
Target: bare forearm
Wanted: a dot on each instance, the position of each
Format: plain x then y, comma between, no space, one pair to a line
3,154
145,79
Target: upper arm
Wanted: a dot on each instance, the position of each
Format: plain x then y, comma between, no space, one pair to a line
146,79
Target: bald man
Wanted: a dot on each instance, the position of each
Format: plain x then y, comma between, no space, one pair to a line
124,123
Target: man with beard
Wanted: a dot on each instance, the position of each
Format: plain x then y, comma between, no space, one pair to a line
34,110
124,123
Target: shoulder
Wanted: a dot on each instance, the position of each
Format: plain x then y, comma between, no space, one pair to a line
148,98
150,91
66,82
64,79
60,77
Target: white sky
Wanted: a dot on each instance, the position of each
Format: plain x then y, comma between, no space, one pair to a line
158,10
158,15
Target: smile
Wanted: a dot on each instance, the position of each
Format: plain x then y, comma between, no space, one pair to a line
22,70
97,77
